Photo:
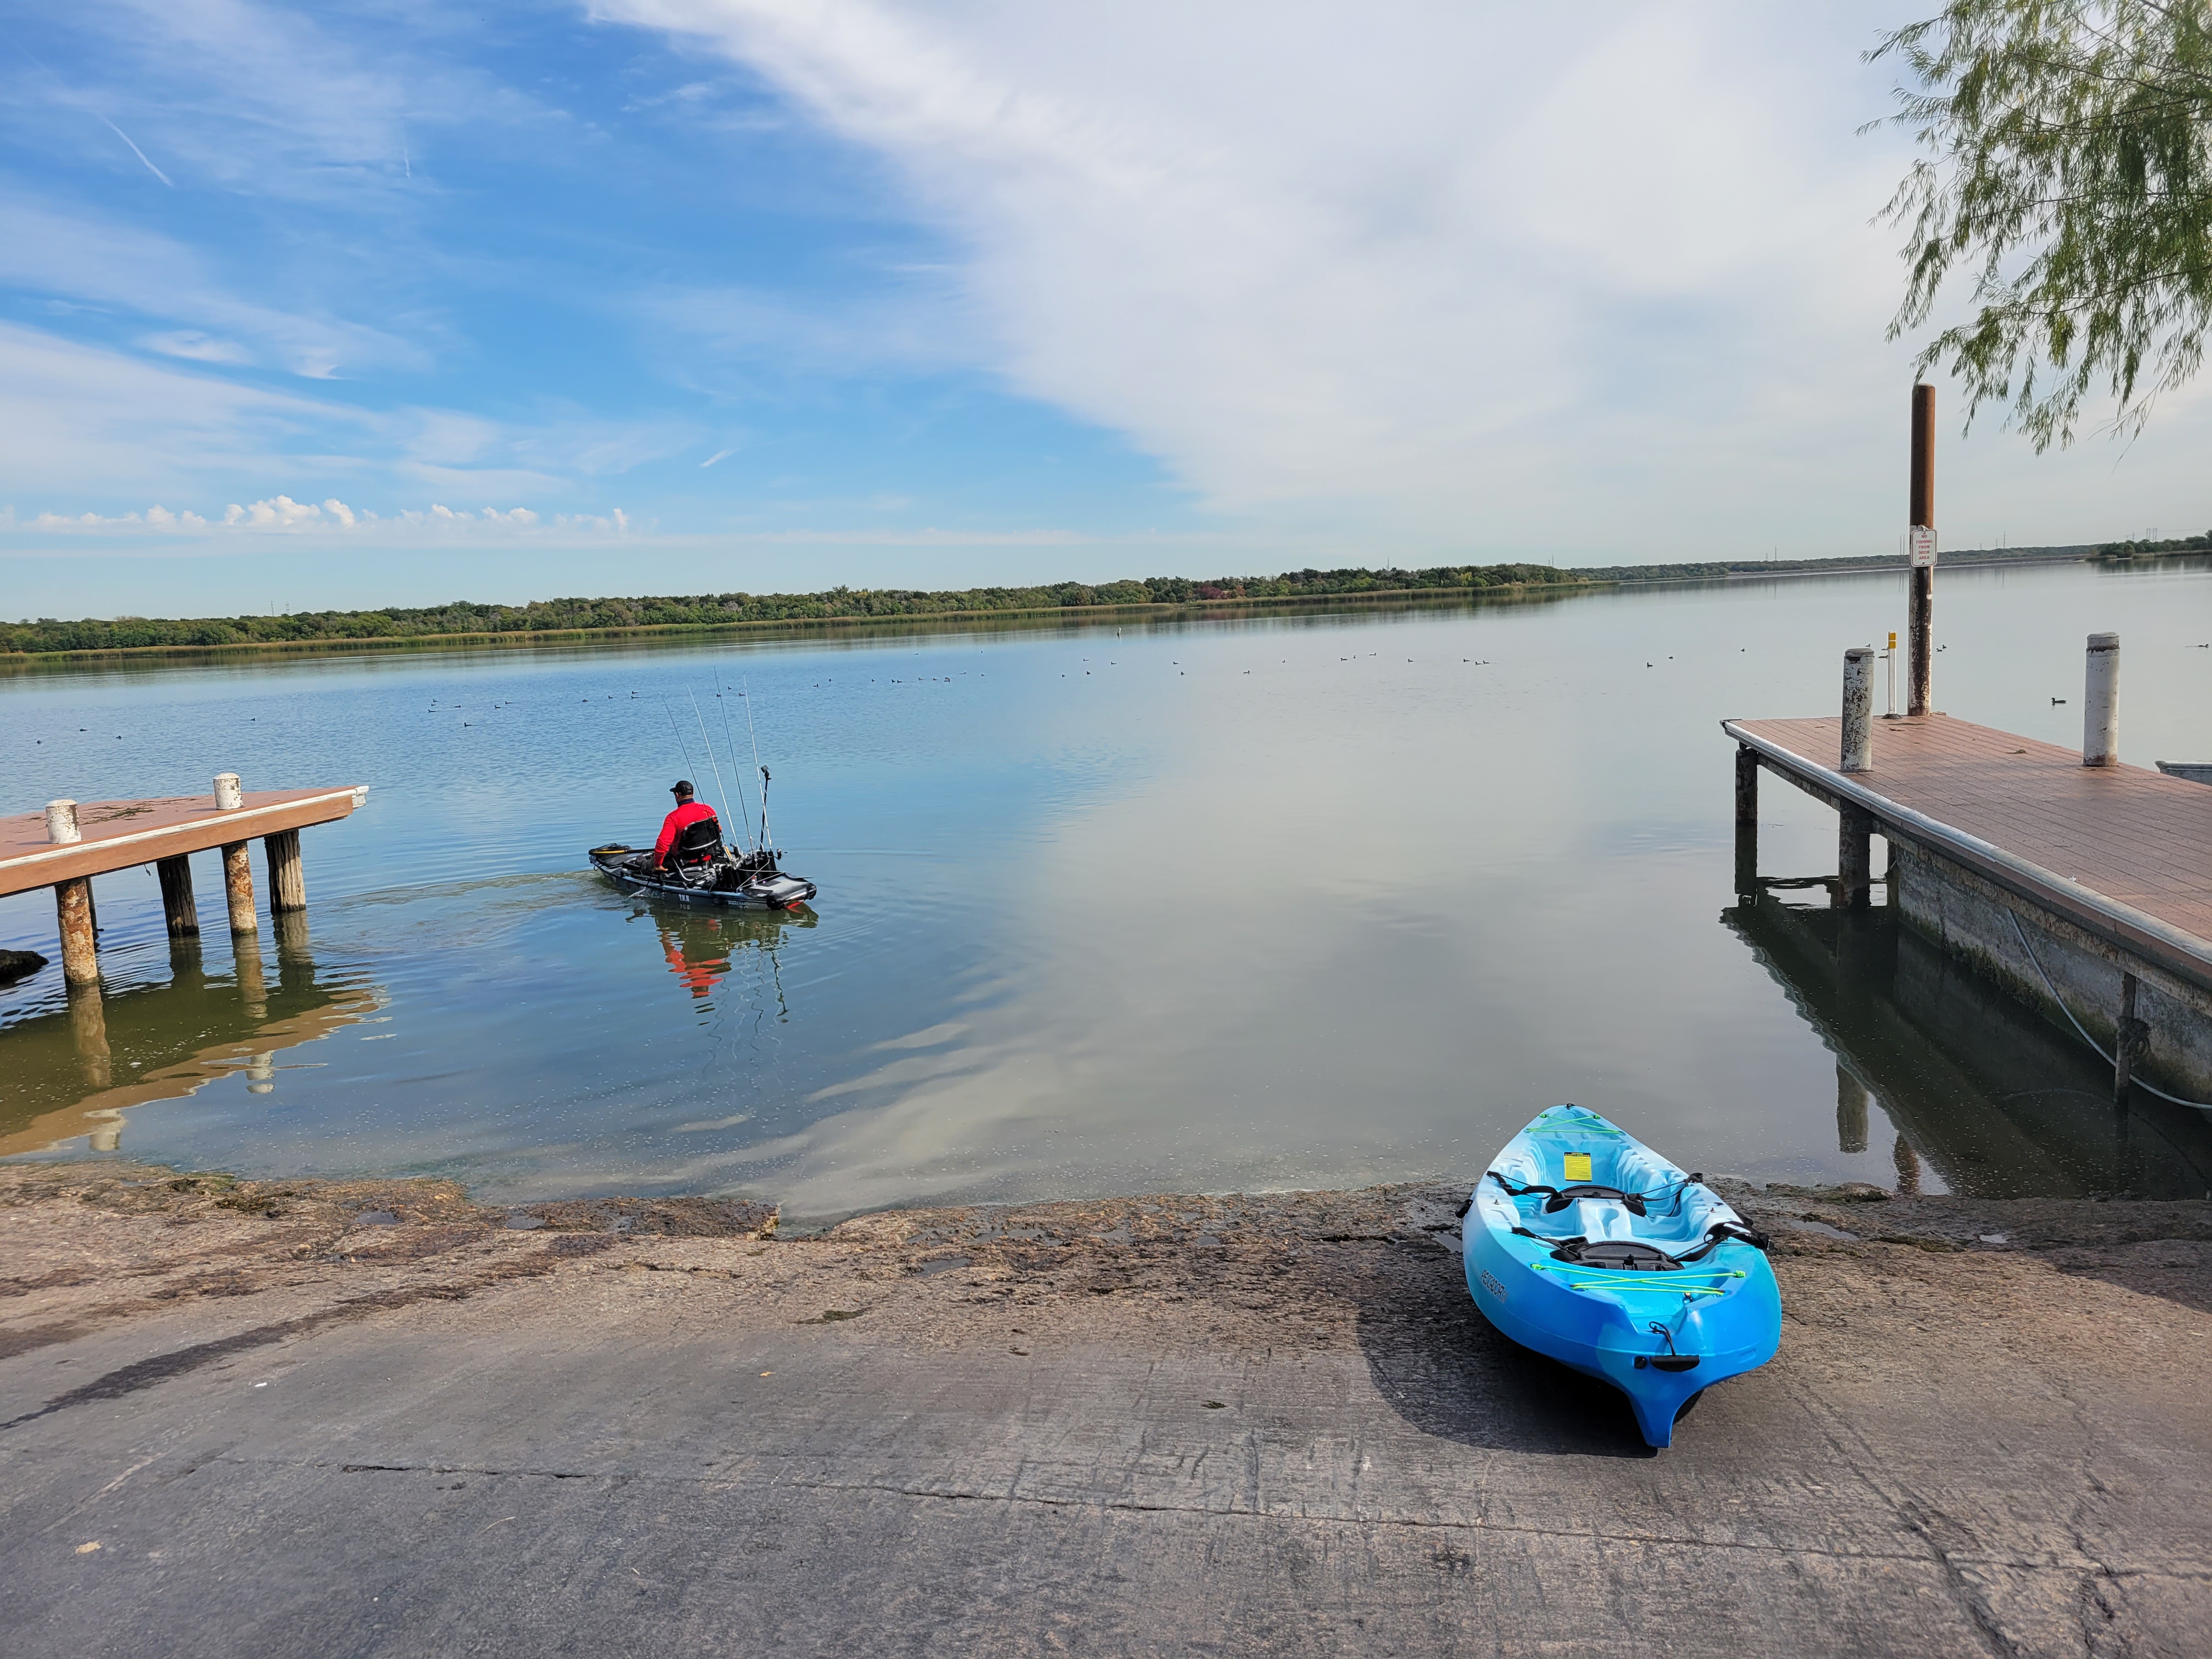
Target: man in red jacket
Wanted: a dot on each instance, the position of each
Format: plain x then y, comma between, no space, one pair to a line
688,812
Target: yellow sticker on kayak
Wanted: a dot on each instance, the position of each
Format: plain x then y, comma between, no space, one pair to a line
1578,1166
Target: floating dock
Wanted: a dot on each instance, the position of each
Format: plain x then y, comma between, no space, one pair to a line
2084,886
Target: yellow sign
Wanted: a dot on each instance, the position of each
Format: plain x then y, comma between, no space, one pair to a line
1578,1166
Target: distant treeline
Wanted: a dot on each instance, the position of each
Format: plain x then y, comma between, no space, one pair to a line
1721,569
462,616
2172,544
463,619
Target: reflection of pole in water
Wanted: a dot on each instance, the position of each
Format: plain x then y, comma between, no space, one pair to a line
88,1032
107,1131
1908,1169
252,986
261,1074
1851,1112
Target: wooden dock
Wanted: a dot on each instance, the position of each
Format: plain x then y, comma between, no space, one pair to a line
2002,837
2122,851
68,844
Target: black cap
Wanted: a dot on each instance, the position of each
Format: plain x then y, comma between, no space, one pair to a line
682,786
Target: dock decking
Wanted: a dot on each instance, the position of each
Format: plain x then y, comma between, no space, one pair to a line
2123,852
121,834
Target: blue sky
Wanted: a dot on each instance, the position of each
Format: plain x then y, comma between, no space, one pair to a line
390,302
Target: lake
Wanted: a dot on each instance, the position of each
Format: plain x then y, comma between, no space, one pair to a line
1312,898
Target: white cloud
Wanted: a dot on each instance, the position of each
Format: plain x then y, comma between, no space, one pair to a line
195,346
1575,278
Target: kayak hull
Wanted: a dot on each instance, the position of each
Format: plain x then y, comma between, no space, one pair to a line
767,889
1661,1336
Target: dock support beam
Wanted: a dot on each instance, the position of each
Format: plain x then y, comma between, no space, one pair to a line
1854,857
287,883
1922,515
238,885
177,903
80,950
1747,820
2100,702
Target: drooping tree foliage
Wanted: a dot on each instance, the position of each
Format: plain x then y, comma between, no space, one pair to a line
2069,174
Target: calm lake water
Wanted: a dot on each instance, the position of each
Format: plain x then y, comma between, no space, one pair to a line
1295,900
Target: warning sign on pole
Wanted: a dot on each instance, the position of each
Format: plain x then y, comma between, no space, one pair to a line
1923,547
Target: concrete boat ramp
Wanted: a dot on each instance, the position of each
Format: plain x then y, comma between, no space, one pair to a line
244,1418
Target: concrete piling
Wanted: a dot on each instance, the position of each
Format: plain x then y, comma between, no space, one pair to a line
2100,702
177,903
73,902
237,887
1858,709
237,871
80,950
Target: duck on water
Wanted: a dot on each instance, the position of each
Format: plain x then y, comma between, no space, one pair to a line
690,863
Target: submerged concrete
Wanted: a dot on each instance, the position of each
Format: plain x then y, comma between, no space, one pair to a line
249,1418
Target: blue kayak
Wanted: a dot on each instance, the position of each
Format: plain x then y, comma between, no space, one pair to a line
1584,1244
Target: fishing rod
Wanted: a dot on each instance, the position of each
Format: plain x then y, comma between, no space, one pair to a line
730,737
719,789
679,731
753,732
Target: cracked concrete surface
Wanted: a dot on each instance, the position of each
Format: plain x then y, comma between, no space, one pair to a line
260,1419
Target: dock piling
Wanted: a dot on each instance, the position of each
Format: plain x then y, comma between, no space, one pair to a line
1921,516
1854,857
1747,820
177,902
288,883
79,949
80,928
237,871
2100,702
238,887
1858,709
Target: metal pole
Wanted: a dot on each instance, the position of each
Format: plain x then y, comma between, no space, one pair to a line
1890,658
2100,702
1859,708
1922,517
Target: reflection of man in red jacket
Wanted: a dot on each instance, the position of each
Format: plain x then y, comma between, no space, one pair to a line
688,812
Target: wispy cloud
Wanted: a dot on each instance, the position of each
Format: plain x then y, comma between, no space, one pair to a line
1422,266
139,153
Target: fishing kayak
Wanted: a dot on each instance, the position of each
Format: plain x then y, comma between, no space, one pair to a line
750,881
1584,1244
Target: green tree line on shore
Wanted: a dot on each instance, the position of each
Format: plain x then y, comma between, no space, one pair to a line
49,634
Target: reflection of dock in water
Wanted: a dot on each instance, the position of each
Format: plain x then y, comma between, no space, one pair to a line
76,1072
2003,1104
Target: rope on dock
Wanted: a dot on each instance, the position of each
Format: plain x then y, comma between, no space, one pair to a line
2133,1082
